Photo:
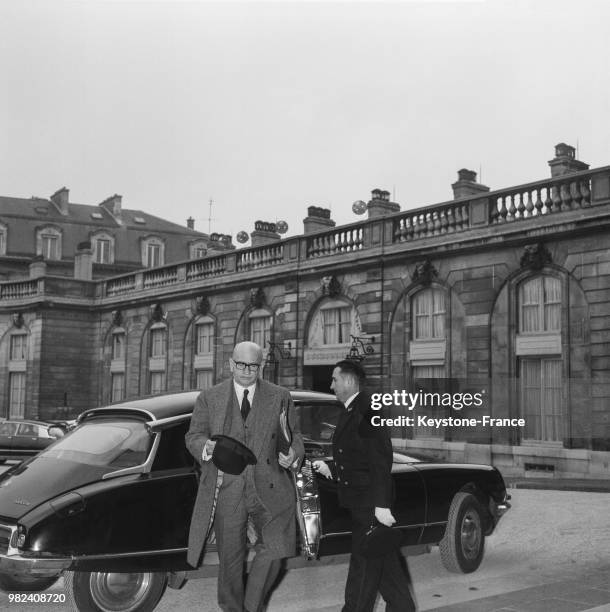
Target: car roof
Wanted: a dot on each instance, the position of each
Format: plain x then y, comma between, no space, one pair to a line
169,405
27,422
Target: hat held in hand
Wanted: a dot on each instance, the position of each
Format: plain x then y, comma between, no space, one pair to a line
230,455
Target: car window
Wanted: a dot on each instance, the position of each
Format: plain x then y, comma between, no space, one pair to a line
319,419
115,444
29,429
172,453
8,429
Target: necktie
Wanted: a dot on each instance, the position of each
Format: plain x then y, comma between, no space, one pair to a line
245,405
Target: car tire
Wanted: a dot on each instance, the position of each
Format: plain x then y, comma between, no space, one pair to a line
114,592
12,584
463,545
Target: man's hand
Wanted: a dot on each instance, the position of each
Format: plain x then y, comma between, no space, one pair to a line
208,449
384,516
322,468
286,461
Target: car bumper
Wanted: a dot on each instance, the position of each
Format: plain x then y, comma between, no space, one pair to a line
18,565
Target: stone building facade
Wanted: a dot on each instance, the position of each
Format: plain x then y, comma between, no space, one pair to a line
500,295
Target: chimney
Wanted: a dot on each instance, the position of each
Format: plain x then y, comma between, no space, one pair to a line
60,199
190,223
565,161
264,233
218,243
317,220
467,185
83,261
38,267
113,205
380,205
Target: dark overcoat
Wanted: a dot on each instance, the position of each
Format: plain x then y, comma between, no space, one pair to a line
363,458
273,484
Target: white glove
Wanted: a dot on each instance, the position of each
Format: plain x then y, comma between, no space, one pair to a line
322,468
384,516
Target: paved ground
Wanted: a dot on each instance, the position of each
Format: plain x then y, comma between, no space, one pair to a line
550,553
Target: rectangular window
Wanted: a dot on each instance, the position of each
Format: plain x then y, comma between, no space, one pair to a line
430,379
16,394
205,338
18,347
158,342
49,243
205,379
153,255
260,330
199,252
541,404
118,387
102,251
118,346
336,323
157,382
2,243
540,301
429,315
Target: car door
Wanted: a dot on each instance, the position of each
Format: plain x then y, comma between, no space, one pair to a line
7,433
28,441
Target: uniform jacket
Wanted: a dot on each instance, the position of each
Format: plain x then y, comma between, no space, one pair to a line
273,484
363,458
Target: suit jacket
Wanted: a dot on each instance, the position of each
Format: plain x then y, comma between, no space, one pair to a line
363,458
273,484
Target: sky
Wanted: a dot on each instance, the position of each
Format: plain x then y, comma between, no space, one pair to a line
268,108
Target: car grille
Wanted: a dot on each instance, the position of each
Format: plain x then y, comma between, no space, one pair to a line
5,536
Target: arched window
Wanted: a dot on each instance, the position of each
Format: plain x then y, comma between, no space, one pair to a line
117,365
153,252
157,361
3,238
203,362
103,248
48,242
539,352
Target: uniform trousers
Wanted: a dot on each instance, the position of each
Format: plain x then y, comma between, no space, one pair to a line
237,500
388,575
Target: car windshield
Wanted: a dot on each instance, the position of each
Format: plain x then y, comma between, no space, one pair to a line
318,420
116,444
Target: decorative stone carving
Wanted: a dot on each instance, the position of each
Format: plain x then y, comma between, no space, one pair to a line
535,256
18,320
202,305
257,297
331,286
157,314
424,273
117,318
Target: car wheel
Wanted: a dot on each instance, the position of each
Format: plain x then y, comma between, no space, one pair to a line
114,592
25,583
463,545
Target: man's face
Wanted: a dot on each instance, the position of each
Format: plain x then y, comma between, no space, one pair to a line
342,385
245,354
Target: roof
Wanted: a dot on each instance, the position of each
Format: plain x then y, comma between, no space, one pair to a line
175,404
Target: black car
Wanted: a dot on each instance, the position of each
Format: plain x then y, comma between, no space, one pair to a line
109,504
20,439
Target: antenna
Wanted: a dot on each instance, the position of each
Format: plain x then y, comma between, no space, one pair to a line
577,155
480,173
210,216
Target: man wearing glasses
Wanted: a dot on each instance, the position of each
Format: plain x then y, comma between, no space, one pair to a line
247,409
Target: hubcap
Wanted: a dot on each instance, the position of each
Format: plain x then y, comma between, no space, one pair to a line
113,592
471,535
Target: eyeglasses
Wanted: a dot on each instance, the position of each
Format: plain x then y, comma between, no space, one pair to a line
242,365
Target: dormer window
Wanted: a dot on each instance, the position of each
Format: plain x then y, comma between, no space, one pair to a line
48,243
197,249
153,252
3,235
103,248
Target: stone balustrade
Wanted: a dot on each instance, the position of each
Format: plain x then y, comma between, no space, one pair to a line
518,206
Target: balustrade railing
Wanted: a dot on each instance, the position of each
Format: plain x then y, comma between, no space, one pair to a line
558,195
17,290
206,268
260,257
120,284
345,240
420,223
160,277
